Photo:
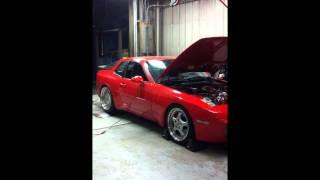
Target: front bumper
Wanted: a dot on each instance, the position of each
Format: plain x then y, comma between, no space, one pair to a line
212,132
211,127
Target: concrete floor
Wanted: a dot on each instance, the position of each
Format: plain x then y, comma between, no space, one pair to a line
132,148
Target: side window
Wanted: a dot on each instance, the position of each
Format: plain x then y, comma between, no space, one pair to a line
135,69
121,69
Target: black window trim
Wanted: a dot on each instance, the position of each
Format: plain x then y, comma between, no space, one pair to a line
125,69
145,75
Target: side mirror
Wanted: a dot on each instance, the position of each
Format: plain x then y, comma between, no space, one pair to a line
137,79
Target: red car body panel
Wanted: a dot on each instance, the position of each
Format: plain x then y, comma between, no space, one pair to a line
151,100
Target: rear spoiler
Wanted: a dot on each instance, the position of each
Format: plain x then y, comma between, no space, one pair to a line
106,67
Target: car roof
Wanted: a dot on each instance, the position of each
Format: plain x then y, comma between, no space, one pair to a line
147,58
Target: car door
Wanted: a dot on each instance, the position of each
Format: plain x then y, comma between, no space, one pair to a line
138,93
121,99
143,101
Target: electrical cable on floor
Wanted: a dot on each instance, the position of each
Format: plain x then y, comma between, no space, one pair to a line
100,133
109,127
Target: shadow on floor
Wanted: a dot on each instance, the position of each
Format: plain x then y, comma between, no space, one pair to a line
212,148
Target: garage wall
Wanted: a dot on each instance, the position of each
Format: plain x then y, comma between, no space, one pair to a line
186,23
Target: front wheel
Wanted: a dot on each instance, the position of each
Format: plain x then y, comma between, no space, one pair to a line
179,125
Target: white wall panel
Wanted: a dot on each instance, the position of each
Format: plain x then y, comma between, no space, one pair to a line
186,23
189,15
195,21
182,27
175,33
166,26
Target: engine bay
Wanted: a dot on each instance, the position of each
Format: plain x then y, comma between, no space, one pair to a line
211,87
212,93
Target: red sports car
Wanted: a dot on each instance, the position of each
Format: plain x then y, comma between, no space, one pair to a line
186,95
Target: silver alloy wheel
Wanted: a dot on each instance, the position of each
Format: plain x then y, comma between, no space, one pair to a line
178,124
105,99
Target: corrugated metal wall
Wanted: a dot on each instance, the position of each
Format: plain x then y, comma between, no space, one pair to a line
186,23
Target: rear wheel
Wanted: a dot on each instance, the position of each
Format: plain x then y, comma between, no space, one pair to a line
106,101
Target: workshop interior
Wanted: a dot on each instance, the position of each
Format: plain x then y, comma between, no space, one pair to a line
160,89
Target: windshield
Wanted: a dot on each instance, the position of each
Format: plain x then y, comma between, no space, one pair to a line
156,67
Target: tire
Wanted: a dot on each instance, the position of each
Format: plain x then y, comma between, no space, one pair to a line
179,125
106,101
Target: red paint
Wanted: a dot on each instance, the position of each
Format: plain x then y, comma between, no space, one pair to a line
151,100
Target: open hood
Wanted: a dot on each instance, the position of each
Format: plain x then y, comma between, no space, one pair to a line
201,56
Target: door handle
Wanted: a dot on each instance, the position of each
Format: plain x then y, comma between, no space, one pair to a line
123,85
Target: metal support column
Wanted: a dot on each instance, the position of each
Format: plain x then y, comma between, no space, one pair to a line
133,28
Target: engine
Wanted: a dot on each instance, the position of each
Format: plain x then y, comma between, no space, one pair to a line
212,94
